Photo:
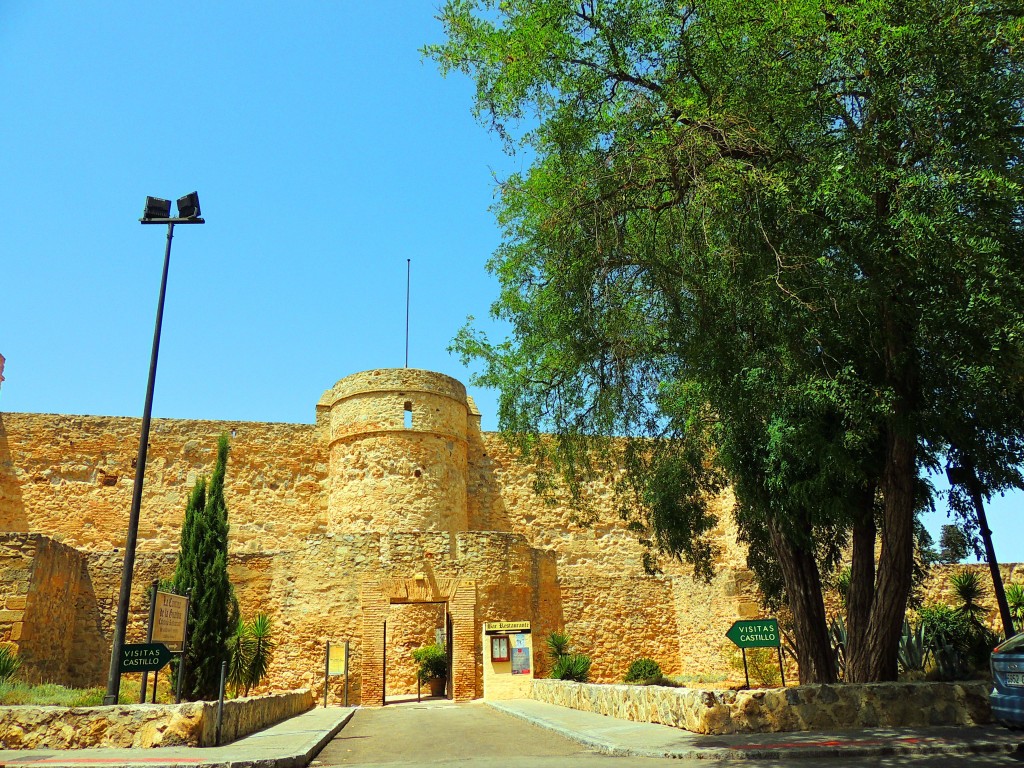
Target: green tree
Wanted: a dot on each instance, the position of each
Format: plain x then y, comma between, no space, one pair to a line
953,544
782,239
202,568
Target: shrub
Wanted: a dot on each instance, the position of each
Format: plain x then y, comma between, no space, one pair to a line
762,666
572,666
9,662
433,662
643,670
956,641
946,626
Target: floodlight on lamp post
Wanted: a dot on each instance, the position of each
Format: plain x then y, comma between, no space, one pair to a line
157,211
965,475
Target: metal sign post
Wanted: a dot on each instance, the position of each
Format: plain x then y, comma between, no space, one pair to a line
184,641
758,633
149,639
327,670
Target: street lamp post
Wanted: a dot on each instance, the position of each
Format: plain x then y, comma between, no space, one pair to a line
157,211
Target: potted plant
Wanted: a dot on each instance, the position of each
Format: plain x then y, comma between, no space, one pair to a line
433,668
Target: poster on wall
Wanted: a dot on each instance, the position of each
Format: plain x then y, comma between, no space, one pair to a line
520,655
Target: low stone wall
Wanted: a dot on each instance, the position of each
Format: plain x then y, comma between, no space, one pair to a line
801,708
145,725
248,715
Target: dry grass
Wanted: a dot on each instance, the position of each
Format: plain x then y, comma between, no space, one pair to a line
17,692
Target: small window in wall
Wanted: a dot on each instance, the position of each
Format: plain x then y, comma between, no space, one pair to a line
408,414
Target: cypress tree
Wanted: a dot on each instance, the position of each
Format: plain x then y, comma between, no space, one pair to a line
202,567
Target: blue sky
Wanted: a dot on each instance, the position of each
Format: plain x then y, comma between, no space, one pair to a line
325,152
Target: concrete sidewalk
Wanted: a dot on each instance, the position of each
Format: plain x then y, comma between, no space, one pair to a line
289,744
626,738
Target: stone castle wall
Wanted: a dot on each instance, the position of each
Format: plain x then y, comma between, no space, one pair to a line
319,511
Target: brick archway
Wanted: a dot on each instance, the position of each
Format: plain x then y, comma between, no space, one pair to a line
376,597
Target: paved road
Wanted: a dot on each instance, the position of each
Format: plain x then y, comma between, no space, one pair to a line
474,735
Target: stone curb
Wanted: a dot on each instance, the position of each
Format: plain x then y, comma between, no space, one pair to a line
739,752
312,748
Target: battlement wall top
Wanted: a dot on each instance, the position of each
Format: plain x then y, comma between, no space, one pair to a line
394,380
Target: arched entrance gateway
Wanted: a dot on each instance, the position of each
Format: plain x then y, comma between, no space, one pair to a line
459,597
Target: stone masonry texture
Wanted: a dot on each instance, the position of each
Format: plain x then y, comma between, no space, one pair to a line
389,517
803,708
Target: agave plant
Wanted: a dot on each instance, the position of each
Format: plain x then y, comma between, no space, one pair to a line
950,663
913,650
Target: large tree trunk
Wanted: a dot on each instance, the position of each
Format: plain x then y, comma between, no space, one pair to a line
895,564
877,656
803,591
862,587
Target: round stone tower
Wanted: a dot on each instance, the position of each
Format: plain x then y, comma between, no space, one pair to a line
397,442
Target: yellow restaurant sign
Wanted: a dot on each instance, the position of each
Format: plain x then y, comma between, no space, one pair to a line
494,627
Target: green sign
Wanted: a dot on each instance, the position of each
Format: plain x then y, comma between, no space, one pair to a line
144,657
759,633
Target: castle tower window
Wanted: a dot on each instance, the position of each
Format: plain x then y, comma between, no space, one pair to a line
408,414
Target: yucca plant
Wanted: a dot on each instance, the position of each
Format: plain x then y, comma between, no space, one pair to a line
566,665
251,650
969,591
558,645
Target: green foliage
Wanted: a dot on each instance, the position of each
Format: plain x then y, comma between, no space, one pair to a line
572,666
202,568
566,664
913,651
958,643
762,666
10,662
15,692
953,544
950,663
969,592
781,238
1015,599
944,625
433,662
251,649
558,645
643,670
842,586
